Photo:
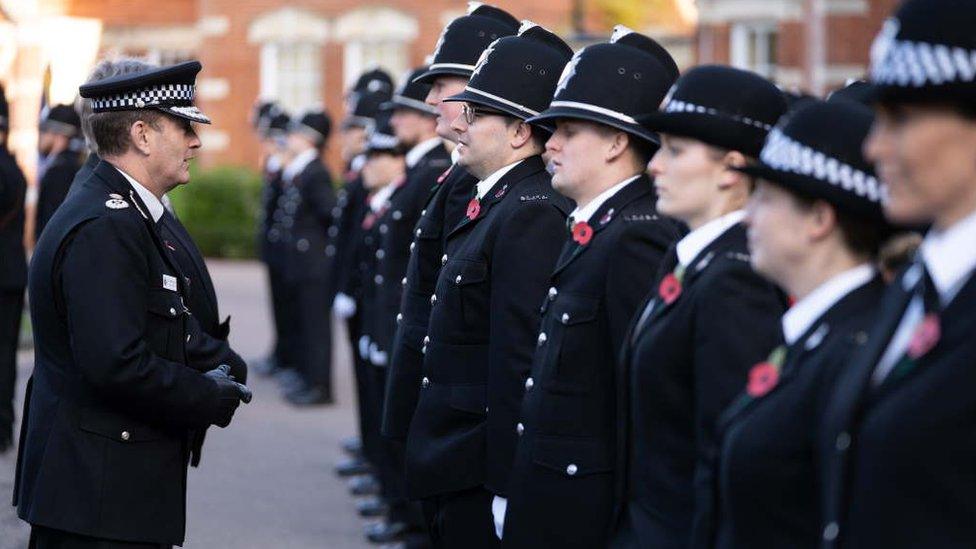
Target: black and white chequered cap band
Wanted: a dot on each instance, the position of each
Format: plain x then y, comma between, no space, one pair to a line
678,106
787,155
382,141
156,96
917,64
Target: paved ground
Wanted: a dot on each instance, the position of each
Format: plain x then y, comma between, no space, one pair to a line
266,481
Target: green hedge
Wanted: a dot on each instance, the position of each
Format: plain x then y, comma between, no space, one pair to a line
219,207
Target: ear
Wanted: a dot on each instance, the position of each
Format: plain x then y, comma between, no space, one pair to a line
139,135
522,135
618,146
730,177
823,220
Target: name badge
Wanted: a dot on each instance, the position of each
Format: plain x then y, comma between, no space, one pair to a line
169,282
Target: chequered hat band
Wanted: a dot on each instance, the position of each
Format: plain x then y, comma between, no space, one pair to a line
677,106
383,141
917,64
168,95
787,155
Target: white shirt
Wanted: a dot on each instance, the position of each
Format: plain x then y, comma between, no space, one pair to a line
950,259
381,197
149,199
455,155
420,149
694,242
298,164
806,311
586,212
487,183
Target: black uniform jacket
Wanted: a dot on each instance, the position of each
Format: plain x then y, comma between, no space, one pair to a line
112,401
270,194
13,259
54,185
444,209
350,267
375,226
561,491
898,459
685,363
346,216
307,201
483,327
393,252
762,489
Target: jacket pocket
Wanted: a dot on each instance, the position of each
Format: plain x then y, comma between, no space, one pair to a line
468,278
116,427
164,331
468,398
576,341
573,457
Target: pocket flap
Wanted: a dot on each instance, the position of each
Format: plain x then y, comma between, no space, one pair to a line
165,303
427,230
573,457
116,427
465,272
573,309
468,398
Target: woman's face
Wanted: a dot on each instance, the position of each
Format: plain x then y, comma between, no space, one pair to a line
777,228
687,175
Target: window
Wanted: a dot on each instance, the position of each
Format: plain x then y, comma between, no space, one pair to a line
358,56
375,36
753,47
291,74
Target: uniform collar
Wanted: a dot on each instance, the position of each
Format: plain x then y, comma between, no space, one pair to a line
805,312
149,199
420,150
950,256
487,183
298,164
586,212
694,242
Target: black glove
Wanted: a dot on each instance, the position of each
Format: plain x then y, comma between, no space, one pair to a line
229,395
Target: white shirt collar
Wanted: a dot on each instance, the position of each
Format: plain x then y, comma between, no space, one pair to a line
381,197
694,242
420,149
298,164
586,212
149,199
455,155
487,183
950,256
805,312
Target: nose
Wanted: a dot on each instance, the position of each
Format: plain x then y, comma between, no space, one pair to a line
433,98
193,139
656,167
459,124
553,144
874,144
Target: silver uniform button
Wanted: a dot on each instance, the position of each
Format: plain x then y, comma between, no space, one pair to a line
378,279
403,281
419,231
426,340
125,435
330,250
433,299
553,292
172,311
412,246
423,213
380,254
830,531
542,339
843,441
333,231
571,469
529,383
425,383
384,229
565,318
444,259
399,318
520,429
457,279
397,215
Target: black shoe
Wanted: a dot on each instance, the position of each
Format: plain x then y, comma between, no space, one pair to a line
310,396
265,367
353,467
352,446
365,485
386,532
289,380
372,508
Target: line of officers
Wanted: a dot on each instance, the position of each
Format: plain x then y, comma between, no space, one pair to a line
633,308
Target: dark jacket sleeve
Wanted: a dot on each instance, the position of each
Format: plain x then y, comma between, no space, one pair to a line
205,352
106,301
524,256
53,189
318,193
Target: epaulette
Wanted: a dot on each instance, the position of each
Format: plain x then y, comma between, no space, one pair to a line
641,217
738,256
530,198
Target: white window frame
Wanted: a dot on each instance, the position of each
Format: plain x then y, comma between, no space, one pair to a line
753,37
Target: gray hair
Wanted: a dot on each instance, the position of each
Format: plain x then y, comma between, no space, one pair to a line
105,68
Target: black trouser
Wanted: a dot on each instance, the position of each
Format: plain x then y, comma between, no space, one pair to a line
48,538
313,317
401,509
461,519
276,347
11,308
282,305
361,371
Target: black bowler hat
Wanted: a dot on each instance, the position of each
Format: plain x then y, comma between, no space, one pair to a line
724,107
463,39
815,151
4,110
381,136
262,110
857,91
275,122
315,125
518,74
168,89
612,83
412,94
363,108
61,119
373,80
926,53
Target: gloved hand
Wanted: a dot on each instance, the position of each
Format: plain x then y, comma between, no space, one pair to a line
229,395
499,506
376,356
344,306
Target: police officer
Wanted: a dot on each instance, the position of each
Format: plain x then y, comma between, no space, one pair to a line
308,198
458,49
114,398
13,273
896,442
709,319
484,315
561,489
60,130
817,234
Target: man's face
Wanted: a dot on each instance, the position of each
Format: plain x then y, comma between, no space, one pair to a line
778,226
381,169
574,155
446,86
482,142
172,147
925,156
352,141
411,127
686,176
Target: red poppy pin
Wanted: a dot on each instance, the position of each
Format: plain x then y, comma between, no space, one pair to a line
170,246
369,220
501,191
670,288
582,233
765,376
925,337
474,208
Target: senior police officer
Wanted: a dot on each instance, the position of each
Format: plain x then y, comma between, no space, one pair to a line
561,490
897,440
59,142
484,315
114,398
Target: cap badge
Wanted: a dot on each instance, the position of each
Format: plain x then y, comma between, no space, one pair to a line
483,60
568,72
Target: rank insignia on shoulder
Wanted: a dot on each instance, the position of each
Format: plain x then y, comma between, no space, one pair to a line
501,192
606,217
738,256
116,202
640,217
530,198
